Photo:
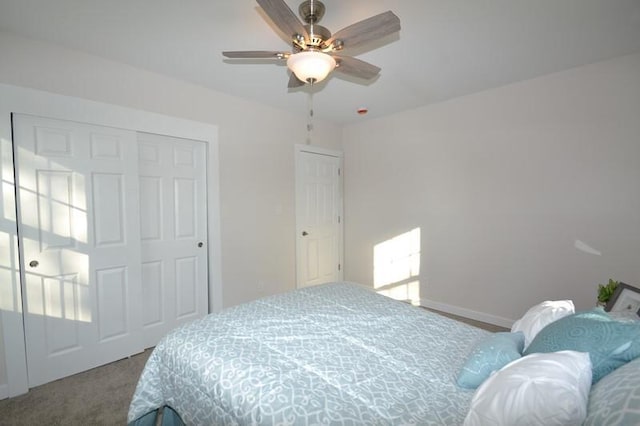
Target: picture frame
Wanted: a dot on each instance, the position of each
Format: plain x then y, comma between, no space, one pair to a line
626,298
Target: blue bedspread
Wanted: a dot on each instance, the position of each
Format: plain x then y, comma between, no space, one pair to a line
334,354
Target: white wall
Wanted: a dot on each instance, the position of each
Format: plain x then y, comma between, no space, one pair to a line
502,184
256,154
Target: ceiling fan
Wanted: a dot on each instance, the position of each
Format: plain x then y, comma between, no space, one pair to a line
314,47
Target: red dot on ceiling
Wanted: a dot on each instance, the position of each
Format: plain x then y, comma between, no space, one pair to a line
362,111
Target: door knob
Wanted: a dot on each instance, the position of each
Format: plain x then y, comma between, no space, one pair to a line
305,233
34,263
200,244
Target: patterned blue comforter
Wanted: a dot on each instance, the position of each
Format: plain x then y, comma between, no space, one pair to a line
334,354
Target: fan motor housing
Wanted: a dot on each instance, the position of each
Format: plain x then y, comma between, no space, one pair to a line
311,11
317,36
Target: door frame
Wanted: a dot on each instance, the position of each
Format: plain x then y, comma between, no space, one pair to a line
13,99
310,149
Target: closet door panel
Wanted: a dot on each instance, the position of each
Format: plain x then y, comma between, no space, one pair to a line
174,232
79,234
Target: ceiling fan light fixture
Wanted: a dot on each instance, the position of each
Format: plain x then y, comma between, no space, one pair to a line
311,66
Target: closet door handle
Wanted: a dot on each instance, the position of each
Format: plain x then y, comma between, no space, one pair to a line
305,233
34,263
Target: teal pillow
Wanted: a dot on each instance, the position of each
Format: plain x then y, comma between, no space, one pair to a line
615,400
610,343
490,355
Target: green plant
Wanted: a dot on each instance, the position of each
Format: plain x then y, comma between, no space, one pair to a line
605,291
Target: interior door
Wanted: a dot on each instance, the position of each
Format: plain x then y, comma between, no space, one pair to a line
318,216
173,228
80,244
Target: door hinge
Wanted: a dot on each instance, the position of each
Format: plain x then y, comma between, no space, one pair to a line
338,172
338,219
338,266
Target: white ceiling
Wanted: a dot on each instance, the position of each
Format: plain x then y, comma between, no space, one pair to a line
446,48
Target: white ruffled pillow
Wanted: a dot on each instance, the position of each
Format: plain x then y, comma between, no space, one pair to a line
540,315
545,389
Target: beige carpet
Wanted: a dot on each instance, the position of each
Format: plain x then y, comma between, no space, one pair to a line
96,397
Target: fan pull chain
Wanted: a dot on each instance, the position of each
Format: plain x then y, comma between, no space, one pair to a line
310,117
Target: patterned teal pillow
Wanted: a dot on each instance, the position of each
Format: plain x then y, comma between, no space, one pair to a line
609,343
490,355
615,400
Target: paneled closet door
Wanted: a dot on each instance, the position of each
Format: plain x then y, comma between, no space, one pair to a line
173,228
318,218
80,244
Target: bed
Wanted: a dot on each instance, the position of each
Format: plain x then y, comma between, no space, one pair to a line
329,354
340,354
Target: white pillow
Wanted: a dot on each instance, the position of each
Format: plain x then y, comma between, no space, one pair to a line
542,389
540,315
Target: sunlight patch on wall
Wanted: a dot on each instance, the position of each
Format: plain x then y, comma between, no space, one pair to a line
409,292
9,290
396,266
8,201
8,184
9,273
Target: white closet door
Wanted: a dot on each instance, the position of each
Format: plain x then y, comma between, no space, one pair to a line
80,244
173,227
318,218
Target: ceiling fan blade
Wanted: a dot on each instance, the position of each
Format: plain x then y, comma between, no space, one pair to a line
255,54
367,30
283,17
356,67
294,82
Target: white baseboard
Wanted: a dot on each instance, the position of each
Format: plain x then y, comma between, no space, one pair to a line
467,313
4,391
